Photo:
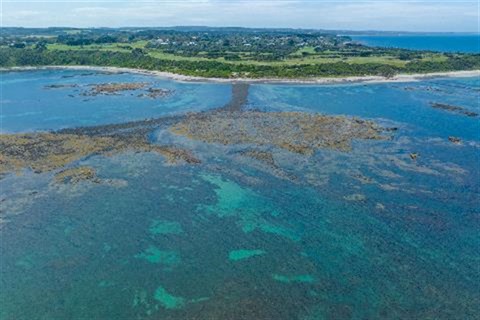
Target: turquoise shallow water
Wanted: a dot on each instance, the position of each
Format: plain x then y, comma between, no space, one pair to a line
367,234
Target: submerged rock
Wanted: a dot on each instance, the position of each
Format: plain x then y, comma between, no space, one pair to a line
362,178
454,140
154,255
355,197
236,255
155,93
303,278
454,109
61,86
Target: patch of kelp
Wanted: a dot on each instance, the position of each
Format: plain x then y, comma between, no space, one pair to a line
301,133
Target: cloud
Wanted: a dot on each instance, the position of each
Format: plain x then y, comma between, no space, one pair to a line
404,15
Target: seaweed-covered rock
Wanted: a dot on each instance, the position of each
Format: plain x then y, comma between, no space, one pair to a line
114,88
454,109
77,174
44,152
47,151
294,131
455,140
175,155
262,156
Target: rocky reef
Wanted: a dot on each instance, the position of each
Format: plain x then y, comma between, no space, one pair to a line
42,152
114,88
297,132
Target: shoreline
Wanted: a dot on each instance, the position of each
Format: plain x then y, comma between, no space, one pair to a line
320,80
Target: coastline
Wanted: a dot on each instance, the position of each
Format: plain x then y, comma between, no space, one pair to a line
320,80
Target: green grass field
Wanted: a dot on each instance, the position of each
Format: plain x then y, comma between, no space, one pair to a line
305,55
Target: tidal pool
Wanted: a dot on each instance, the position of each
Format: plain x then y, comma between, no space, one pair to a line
249,231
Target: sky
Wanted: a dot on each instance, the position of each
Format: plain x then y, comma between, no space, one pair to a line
396,15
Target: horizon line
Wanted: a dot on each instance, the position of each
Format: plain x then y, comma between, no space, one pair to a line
241,27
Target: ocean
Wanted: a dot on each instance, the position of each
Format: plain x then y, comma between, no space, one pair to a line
465,43
369,232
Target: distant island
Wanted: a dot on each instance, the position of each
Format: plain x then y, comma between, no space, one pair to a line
230,53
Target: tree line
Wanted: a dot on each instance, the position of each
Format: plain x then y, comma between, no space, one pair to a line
11,57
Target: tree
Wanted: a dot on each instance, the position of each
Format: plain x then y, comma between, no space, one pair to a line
137,52
387,72
41,46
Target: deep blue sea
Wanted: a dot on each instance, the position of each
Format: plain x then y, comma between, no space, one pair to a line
446,43
365,234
